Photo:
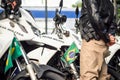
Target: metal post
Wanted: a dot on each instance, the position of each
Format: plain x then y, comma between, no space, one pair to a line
46,16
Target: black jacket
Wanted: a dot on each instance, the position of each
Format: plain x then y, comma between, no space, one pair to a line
97,19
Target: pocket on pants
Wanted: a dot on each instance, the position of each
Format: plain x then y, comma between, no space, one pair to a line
102,46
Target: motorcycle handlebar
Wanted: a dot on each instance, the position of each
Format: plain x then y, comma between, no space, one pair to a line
59,19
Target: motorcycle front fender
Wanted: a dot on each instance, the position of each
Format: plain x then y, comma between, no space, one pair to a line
41,69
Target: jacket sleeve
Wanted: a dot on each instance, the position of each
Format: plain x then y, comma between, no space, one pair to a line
93,13
94,16
113,28
92,7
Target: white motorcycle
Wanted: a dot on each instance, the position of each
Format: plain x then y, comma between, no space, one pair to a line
113,60
22,25
54,46
51,47
42,49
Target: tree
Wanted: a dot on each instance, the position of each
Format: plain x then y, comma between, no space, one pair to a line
118,8
78,3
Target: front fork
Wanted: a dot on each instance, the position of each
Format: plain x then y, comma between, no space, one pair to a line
29,69
29,66
74,71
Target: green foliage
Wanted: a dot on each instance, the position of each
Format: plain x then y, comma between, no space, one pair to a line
118,17
118,8
118,13
78,3
75,5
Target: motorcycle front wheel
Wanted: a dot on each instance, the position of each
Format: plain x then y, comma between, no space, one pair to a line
48,75
114,67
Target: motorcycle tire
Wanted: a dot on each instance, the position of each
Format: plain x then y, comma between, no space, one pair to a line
48,75
113,66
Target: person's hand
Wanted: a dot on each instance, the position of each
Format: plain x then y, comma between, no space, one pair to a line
112,40
13,4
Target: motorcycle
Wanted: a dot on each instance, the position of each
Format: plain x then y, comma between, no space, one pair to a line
54,46
70,47
113,60
43,49
17,28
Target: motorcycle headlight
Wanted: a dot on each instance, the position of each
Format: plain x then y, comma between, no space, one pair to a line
36,31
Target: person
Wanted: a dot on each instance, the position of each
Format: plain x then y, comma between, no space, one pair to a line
97,28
